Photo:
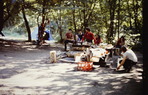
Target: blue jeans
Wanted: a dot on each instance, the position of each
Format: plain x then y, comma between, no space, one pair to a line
128,64
66,42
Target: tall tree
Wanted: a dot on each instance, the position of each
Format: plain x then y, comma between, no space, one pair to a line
26,21
118,12
1,16
60,22
112,7
73,15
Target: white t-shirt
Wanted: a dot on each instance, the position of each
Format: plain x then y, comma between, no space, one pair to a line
129,54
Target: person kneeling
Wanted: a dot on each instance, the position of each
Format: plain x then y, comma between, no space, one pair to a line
129,59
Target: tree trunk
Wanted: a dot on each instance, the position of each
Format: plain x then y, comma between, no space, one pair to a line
118,19
145,47
130,15
1,16
112,5
74,22
41,31
91,12
26,23
101,8
84,17
135,16
43,11
80,17
60,26
60,30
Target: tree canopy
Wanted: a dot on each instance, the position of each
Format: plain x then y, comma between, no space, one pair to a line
109,18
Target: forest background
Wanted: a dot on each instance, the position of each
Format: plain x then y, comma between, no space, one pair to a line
109,18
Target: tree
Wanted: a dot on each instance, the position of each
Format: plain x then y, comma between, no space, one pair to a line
7,10
112,7
44,10
106,17
1,16
26,21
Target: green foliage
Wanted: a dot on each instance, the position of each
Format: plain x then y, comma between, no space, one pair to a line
126,16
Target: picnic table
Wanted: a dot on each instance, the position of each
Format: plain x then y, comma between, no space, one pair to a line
85,55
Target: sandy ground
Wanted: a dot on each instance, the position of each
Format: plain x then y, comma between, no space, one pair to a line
25,70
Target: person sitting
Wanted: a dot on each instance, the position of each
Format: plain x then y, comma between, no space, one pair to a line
69,38
120,42
98,39
89,36
129,59
79,36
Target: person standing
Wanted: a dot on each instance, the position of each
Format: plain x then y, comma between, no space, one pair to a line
98,40
88,36
120,42
129,59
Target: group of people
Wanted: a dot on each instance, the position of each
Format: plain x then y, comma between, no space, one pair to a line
129,57
88,36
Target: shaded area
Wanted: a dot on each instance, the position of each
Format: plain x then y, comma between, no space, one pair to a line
28,71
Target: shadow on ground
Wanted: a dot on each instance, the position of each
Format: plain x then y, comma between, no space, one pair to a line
27,71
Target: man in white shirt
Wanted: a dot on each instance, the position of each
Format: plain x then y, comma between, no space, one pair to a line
129,59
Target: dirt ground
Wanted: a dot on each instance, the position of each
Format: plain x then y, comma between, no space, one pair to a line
25,70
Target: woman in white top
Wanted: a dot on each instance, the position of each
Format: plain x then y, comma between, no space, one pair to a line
129,59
